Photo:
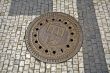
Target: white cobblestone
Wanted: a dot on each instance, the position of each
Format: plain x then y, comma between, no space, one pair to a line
21,63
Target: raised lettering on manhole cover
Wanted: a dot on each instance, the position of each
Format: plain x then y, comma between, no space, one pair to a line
54,37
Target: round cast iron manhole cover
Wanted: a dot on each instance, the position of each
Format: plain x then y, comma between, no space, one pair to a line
54,37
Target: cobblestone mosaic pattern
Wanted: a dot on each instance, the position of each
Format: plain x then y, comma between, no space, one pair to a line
93,16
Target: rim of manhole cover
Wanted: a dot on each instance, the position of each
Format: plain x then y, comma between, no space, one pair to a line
54,37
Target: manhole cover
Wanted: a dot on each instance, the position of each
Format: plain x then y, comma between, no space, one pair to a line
54,37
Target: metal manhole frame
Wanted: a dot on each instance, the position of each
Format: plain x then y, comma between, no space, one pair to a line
77,49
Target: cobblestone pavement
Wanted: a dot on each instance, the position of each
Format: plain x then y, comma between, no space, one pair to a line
93,16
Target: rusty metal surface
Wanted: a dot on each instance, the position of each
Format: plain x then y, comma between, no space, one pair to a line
54,37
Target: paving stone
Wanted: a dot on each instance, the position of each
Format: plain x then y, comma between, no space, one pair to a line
6,61
32,59
75,67
81,70
15,68
26,67
22,57
25,72
17,56
70,69
27,61
58,70
64,72
42,69
64,68
27,55
21,69
58,65
69,64
53,68
48,65
21,63
9,71
31,64
5,66
36,71
10,68
11,62
108,61
75,61
42,64
37,66
16,61
31,71
3,71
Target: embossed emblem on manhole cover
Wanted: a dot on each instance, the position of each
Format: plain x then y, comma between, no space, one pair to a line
54,37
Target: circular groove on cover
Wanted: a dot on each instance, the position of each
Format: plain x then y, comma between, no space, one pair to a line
54,37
